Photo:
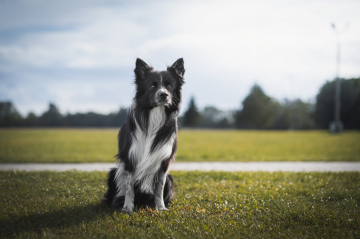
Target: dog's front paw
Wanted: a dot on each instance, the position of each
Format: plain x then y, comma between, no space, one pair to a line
161,208
126,210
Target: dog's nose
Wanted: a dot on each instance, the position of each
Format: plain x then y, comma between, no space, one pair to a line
164,95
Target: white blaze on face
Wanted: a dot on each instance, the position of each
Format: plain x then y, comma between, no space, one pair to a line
162,90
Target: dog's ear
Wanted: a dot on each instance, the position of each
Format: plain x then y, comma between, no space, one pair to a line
178,68
141,69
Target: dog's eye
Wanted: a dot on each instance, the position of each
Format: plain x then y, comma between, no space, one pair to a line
152,86
168,85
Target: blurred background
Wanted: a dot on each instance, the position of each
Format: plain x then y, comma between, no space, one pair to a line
249,64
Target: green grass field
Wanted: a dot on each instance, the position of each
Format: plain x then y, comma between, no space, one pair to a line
100,145
206,205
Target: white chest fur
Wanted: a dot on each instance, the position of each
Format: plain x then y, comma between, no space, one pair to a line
148,163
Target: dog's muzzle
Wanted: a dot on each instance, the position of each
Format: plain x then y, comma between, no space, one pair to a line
162,97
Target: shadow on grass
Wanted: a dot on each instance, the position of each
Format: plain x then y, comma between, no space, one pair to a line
56,219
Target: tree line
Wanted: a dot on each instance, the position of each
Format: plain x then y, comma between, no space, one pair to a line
260,111
10,117
257,111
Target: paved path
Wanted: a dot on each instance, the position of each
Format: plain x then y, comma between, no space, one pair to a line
203,166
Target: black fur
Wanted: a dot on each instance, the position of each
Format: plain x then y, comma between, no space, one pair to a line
148,82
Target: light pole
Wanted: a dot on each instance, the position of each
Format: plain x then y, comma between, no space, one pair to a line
336,126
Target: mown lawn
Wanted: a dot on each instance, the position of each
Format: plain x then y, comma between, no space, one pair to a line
206,205
100,145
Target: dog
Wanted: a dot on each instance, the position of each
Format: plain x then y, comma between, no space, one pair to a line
147,142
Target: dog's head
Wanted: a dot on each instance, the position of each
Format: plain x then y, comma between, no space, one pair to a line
159,88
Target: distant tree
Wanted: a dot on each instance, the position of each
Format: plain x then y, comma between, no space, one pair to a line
121,117
9,116
301,115
224,123
211,117
89,119
294,114
31,120
282,116
52,117
191,117
258,110
350,104
116,119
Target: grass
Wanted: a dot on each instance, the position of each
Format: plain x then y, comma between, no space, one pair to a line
268,146
206,205
100,145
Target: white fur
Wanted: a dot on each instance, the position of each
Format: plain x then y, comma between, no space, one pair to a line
130,194
146,164
159,191
120,179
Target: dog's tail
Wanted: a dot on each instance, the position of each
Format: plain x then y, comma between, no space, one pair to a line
168,189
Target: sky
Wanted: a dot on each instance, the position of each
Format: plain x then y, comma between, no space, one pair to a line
80,55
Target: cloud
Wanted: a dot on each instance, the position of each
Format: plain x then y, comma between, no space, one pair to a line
288,47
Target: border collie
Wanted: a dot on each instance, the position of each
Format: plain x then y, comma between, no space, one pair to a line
147,141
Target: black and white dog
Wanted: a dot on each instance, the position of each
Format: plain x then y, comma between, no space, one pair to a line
148,140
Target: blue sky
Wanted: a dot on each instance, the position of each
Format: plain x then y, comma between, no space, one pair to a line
80,55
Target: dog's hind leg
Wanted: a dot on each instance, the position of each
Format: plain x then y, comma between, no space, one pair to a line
159,190
129,195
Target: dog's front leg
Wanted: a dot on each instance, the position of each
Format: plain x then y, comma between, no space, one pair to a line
129,195
159,190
